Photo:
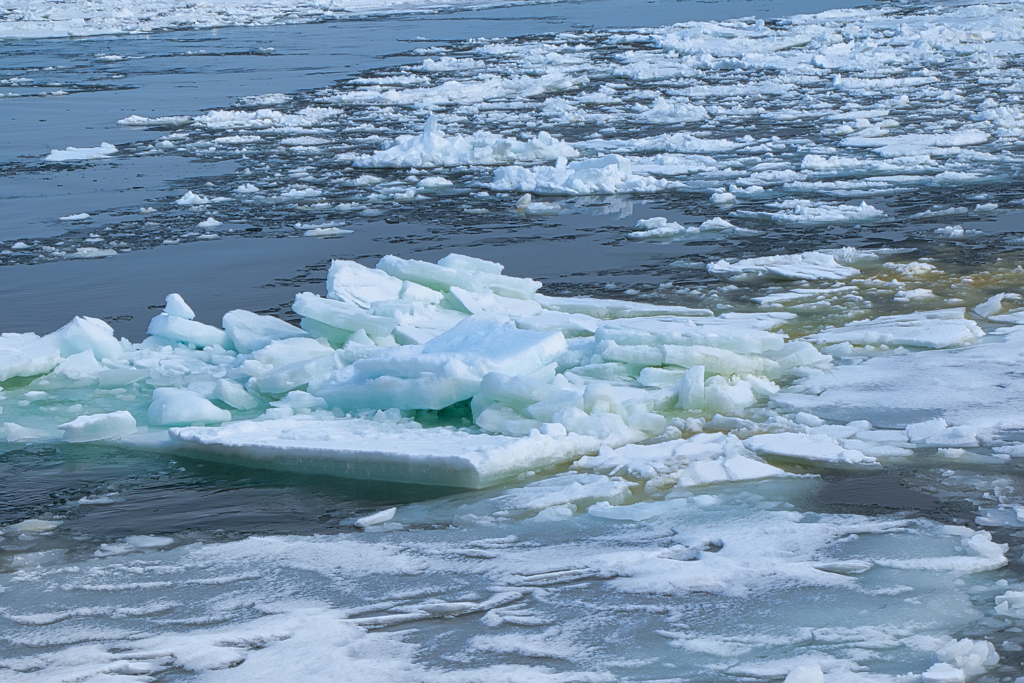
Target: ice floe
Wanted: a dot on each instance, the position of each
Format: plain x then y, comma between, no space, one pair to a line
527,381
82,153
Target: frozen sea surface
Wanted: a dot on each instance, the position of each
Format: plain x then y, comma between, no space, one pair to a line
741,405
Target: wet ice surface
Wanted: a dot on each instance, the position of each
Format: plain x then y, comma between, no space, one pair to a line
815,478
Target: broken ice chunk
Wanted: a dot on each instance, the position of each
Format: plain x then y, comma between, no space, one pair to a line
98,427
817,449
177,307
184,331
250,332
172,406
994,304
234,394
445,370
376,518
82,153
366,449
354,283
927,329
741,335
341,315
690,388
937,433
811,265
17,433
611,309
442,277
26,355
611,174
87,334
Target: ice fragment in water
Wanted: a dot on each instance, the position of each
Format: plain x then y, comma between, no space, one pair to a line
808,266
82,153
376,518
250,332
612,174
927,329
819,449
365,449
98,427
176,306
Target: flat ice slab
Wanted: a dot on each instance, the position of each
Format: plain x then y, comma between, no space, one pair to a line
365,449
928,329
978,385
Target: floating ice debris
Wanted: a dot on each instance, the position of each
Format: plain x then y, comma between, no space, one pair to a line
433,148
917,143
210,222
173,406
268,100
812,265
365,449
806,211
814,448
806,673
661,228
226,119
927,329
994,304
34,526
326,232
190,198
516,381
15,432
149,541
98,427
700,460
90,252
142,121
611,174
972,387
376,518
75,217
104,151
